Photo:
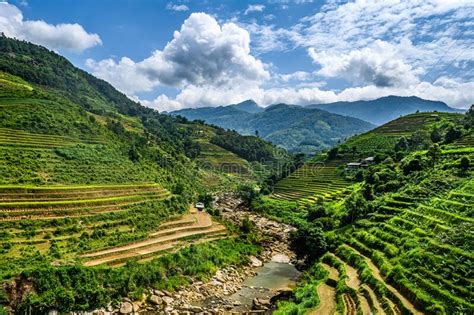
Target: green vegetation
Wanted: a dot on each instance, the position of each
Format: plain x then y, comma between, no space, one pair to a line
406,227
295,128
87,172
78,288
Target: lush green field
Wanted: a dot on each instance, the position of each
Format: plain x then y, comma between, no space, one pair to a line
402,241
313,181
90,178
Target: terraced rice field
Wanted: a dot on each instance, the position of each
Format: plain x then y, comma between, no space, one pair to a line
215,157
20,203
172,235
412,242
385,137
355,290
13,137
101,224
312,181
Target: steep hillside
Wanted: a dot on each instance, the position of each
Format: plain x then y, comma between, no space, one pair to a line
384,109
295,128
90,178
401,241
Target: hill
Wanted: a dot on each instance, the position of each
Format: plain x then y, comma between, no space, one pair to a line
384,109
292,127
96,189
398,240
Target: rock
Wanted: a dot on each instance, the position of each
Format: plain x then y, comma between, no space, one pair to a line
126,308
195,309
158,292
255,261
136,307
156,300
261,304
167,300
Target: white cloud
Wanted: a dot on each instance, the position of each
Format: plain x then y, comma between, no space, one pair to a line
254,8
296,76
428,34
201,53
378,64
177,7
69,37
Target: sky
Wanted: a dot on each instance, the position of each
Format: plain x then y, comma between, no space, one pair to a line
178,54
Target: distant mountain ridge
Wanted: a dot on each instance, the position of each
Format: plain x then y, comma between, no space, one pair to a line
293,127
384,109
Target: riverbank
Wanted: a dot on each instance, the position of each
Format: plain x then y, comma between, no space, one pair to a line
233,288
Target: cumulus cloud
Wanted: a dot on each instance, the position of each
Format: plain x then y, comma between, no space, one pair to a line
428,34
254,8
69,37
177,7
201,53
379,65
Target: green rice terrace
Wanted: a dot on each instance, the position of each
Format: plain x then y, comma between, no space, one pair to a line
212,156
312,181
385,137
402,241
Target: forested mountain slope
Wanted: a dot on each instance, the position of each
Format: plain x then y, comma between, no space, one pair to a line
90,178
399,239
295,128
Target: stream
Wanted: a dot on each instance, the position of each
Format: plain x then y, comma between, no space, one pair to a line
271,278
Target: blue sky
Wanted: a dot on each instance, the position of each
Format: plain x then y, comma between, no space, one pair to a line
176,54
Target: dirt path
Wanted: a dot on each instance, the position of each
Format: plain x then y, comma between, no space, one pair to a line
333,273
327,296
353,280
378,276
375,301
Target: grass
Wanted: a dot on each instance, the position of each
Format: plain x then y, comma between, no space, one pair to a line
312,181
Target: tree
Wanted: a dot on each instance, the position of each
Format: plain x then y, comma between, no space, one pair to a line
453,133
246,226
464,164
315,212
402,144
368,192
436,135
412,166
256,133
434,152
308,242
469,118
332,154
357,207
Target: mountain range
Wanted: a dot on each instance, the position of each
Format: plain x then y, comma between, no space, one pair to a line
313,127
384,109
295,128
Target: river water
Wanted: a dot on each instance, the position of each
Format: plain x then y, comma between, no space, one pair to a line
271,278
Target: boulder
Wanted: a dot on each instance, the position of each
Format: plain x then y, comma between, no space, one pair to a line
155,300
126,308
261,304
167,300
255,261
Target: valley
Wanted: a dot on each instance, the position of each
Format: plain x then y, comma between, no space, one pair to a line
99,201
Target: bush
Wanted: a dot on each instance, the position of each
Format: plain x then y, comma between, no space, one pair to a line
309,242
464,164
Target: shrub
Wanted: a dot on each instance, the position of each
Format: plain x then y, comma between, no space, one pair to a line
309,242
